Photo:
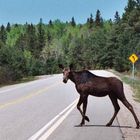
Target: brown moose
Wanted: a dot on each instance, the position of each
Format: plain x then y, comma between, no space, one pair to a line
89,84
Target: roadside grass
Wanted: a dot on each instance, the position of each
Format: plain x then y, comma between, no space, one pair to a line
134,83
23,80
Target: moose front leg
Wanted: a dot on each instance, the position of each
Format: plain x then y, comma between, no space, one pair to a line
83,99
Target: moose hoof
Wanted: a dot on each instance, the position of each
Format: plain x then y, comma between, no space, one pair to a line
138,126
108,124
86,118
81,124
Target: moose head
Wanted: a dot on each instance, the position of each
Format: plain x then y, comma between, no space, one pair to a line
66,72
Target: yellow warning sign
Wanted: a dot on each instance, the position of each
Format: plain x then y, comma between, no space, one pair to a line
133,58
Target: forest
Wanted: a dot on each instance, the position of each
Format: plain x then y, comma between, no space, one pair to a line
31,50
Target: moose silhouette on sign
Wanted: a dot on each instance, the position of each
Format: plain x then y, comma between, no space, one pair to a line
89,84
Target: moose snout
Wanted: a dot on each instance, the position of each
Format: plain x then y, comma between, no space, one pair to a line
65,81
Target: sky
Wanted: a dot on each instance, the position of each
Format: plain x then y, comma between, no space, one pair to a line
22,11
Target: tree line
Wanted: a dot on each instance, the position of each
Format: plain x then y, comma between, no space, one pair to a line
29,49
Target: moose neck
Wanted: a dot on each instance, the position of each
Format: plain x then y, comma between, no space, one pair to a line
74,77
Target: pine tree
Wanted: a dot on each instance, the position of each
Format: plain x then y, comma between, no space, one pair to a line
41,38
87,20
49,37
3,34
117,17
32,38
22,42
8,28
130,6
91,21
110,21
138,1
50,23
98,19
73,23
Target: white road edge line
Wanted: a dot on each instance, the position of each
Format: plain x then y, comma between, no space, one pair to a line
42,130
52,129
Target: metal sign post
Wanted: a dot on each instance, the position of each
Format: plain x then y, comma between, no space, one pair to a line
133,73
133,58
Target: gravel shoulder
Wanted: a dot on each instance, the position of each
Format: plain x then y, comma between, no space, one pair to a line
125,118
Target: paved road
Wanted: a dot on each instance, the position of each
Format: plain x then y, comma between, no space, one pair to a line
45,109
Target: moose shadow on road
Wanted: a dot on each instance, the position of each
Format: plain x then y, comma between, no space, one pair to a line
117,126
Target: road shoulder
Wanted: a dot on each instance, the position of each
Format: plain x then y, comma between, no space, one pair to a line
125,118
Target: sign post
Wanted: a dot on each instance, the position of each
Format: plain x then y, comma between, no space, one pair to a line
133,71
133,58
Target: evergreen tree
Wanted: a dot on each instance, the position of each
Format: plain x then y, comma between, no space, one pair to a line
87,20
12,63
117,17
109,55
16,25
73,23
37,49
50,23
8,28
138,4
32,38
110,22
22,42
3,34
138,1
131,5
41,38
98,19
49,37
91,21
1,44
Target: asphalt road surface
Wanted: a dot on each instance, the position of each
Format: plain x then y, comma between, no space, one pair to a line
45,109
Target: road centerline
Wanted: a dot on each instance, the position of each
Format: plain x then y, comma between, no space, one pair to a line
24,98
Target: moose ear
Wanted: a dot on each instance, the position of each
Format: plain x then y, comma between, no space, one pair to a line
61,66
71,66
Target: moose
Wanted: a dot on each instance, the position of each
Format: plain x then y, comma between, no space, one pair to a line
87,83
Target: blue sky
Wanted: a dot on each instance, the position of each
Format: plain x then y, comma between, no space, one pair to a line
22,11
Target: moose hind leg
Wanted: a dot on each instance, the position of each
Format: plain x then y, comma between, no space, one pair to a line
116,109
129,106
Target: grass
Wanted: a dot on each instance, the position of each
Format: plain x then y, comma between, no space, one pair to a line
134,83
23,80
